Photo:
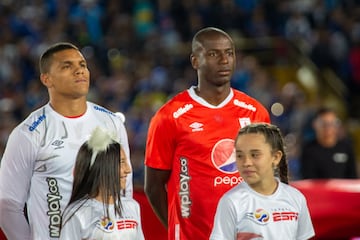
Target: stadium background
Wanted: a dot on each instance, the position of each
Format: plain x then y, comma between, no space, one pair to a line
293,55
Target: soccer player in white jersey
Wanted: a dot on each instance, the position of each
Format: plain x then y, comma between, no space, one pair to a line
97,210
264,206
37,165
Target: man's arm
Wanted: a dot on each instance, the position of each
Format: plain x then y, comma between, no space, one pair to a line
155,190
12,216
15,176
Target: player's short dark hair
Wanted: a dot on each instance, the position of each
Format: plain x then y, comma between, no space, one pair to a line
204,33
46,57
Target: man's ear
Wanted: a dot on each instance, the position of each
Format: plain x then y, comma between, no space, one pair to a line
194,61
44,78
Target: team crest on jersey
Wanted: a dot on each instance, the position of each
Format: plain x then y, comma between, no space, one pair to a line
106,224
260,216
244,122
223,156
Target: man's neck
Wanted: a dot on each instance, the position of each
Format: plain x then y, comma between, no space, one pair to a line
72,108
214,96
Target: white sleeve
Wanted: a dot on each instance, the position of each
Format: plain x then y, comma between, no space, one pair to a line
15,175
125,144
225,220
71,229
305,229
140,231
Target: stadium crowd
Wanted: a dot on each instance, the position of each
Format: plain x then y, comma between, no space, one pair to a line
138,53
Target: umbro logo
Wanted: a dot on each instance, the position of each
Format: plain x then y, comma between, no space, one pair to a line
196,126
58,144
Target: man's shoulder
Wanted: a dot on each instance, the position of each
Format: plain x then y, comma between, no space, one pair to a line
104,113
35,119
179,97
180,100
244,100
98,109
245,97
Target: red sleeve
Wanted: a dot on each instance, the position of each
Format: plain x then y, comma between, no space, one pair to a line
160,141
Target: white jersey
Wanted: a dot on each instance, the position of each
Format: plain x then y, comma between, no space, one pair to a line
37,168
243,213
85,219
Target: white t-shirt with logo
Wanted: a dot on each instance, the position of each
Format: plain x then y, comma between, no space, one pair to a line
85,219
37,168
242,213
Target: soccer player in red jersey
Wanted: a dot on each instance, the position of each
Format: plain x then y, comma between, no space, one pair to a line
190,156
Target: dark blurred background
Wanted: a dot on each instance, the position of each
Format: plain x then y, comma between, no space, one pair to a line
293,56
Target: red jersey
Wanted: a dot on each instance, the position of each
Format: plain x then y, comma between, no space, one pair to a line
195,140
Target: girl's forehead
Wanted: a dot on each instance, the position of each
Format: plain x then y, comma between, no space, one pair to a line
256,136
251,140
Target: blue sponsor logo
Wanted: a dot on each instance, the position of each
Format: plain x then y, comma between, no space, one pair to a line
37,122
97,108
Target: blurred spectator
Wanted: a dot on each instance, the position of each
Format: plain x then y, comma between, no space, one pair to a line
298,30
85,18
320,53
330,154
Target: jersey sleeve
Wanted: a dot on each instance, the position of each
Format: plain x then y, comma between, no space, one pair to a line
15,176
160,142
225,220
263,113
265,116
140,234
305,229
71,229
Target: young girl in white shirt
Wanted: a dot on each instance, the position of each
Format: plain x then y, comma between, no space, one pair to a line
263,206
97,208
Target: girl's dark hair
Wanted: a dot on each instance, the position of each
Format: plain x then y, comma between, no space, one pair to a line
274,137
103,177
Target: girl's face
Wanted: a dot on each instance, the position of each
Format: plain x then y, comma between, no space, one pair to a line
256,160
124,169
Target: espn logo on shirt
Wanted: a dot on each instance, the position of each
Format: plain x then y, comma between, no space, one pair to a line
126,224
107,224
263,217
285,216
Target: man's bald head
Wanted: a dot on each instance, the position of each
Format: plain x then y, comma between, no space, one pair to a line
206,34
